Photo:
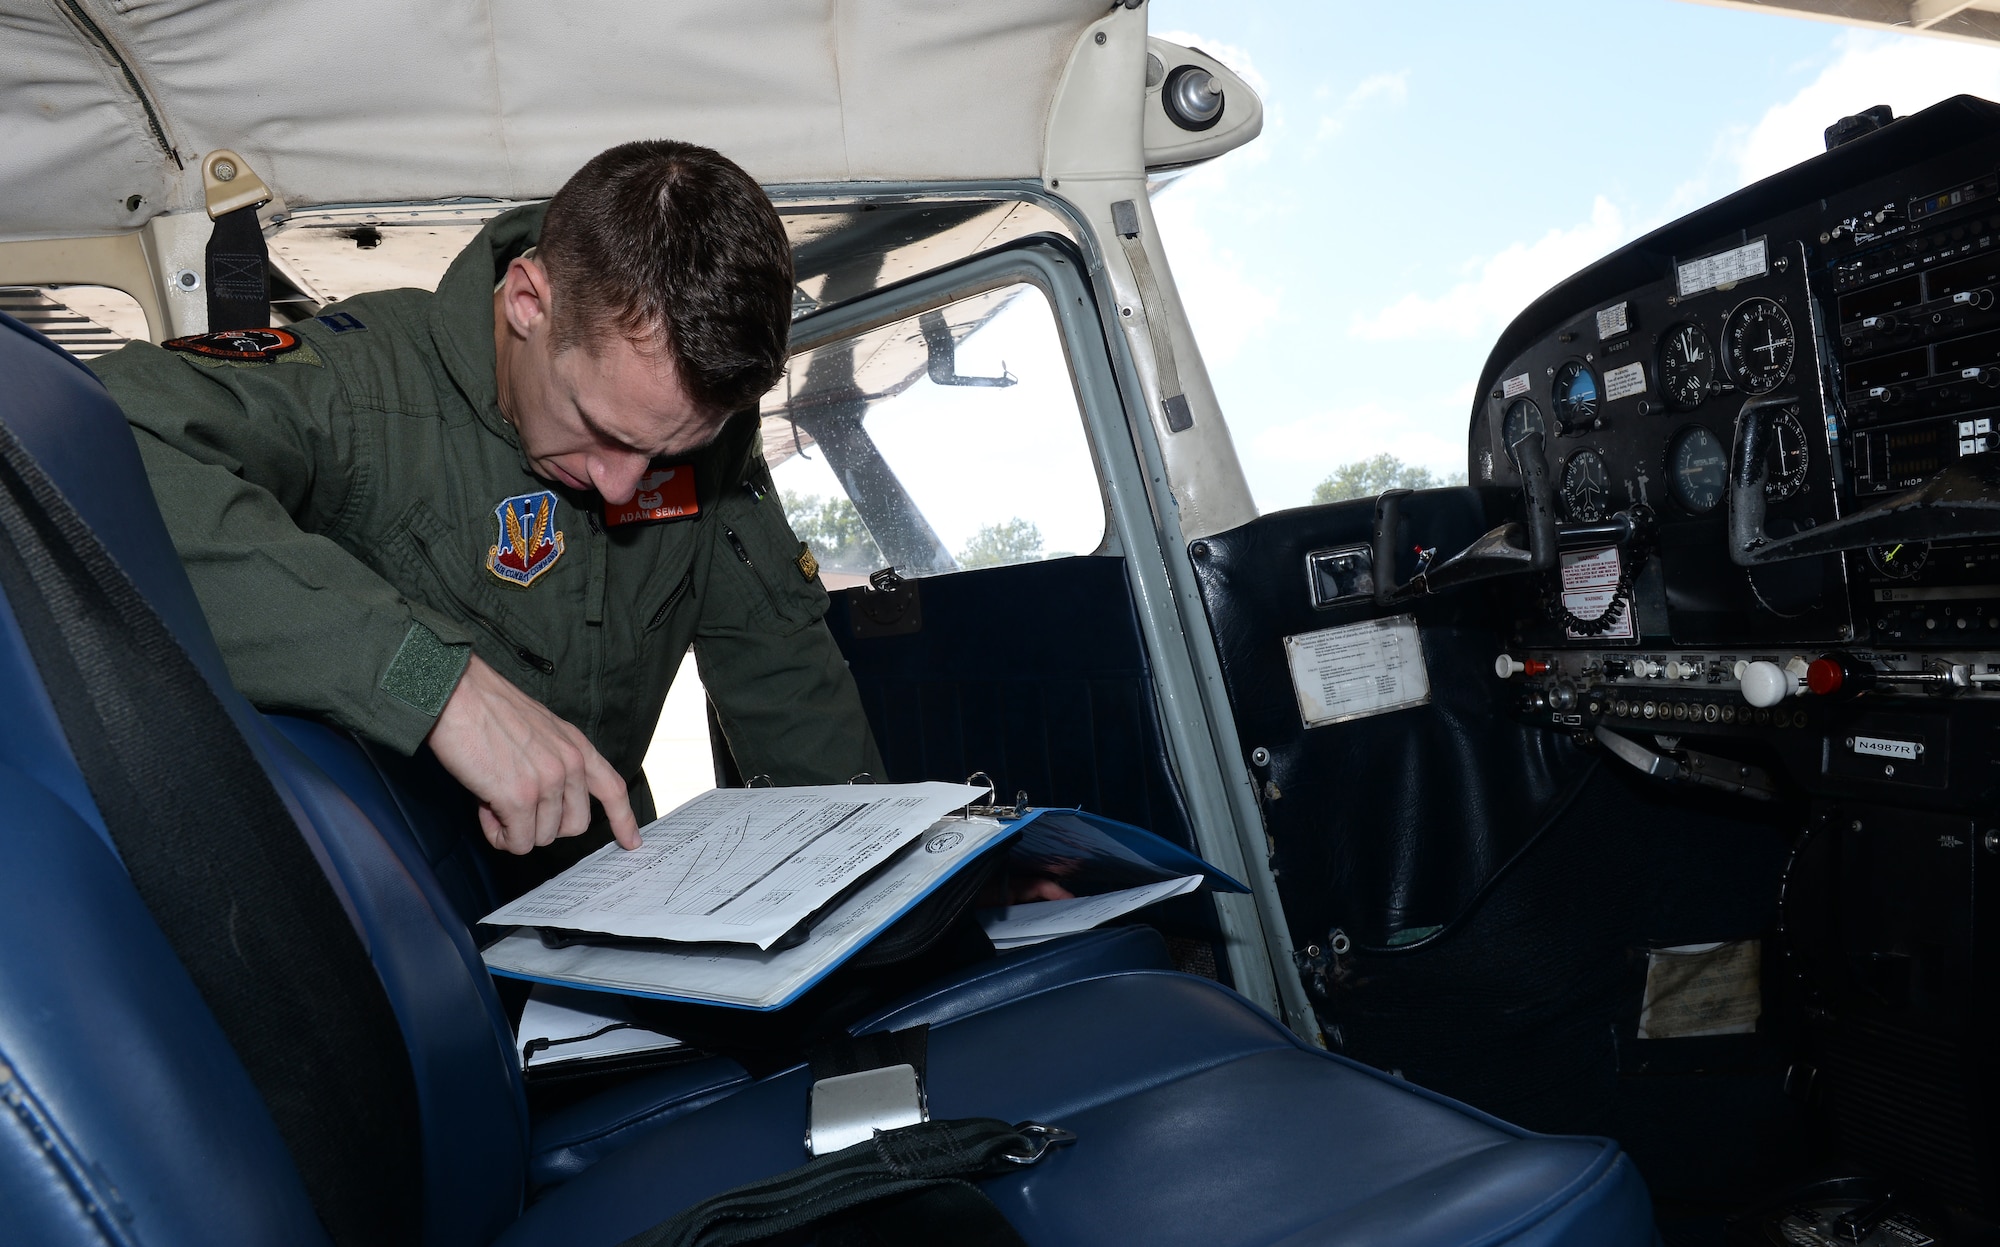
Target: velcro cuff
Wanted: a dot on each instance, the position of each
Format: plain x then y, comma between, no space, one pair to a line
425,670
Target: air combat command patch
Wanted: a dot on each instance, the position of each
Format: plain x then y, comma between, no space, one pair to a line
528,544
248,346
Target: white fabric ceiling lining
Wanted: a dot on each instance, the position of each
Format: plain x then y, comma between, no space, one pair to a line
381,100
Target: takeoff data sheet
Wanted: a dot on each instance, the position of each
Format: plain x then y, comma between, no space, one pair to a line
738,865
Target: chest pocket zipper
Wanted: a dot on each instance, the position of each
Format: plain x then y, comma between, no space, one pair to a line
680,591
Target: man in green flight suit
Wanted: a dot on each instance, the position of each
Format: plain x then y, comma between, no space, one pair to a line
492,520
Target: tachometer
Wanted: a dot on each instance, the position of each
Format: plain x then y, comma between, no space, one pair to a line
1574,397
1522,418
1687,366
1759,345
1788,457
1584,492
1900,561
1697,469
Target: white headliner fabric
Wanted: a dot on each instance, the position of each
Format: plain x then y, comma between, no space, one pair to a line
390,100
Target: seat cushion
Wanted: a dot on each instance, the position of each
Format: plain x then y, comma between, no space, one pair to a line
1200,1121
570,1141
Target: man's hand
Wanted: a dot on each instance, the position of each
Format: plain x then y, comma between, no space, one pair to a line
533,773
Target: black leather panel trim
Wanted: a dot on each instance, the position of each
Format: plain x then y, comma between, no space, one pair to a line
1388,824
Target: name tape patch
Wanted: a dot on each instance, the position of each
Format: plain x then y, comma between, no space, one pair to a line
664,494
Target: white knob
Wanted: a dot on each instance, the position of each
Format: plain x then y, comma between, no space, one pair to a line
1507,666
1678,670
1645,668
1766,684
1737,671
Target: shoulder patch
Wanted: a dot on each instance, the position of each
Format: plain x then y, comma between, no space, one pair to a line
808,565
241,345
341,322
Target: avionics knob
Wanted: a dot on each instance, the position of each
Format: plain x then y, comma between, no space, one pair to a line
1645,668
1507,666
1765,684
1678,670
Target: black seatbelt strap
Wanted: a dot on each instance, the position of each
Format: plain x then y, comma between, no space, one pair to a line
239,295
851,1054
903,1188
215,855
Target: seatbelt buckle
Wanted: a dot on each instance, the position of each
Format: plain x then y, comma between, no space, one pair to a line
849,1108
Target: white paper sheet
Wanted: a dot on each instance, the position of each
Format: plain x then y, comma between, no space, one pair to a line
740,865
583,1023
1358,669
735,974
1014,926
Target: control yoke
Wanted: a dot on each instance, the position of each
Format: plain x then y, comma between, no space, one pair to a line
1508,550
1960,501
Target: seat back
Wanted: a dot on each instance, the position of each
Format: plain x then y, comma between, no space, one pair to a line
137,1114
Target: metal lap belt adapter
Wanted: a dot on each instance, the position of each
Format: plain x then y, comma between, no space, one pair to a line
215,855
882,1174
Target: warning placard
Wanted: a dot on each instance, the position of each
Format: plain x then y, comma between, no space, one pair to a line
1590,585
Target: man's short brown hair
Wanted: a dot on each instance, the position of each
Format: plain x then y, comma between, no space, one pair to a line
674,245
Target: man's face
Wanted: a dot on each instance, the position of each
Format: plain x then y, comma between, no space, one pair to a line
593,417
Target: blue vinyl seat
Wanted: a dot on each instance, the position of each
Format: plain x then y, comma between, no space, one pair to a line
127,1118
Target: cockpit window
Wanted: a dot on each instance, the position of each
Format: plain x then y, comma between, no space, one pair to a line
946,441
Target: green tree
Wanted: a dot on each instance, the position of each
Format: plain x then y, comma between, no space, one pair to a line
1364,478
833,528
996,545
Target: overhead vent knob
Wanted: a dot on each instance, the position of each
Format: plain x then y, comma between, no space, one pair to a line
1192,97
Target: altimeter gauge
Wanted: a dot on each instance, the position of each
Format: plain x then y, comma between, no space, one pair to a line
1687,366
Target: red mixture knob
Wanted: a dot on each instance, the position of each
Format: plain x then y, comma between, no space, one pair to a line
1824,676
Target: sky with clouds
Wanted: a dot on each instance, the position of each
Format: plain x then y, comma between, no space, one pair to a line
1426,170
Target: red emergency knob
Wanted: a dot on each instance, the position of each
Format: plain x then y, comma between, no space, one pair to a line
1825,676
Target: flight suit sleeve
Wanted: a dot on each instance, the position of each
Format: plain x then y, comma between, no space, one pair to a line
249,463
787,702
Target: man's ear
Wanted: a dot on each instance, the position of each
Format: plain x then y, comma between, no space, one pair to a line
526,297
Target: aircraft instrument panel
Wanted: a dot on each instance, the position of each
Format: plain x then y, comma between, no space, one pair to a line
1832,335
